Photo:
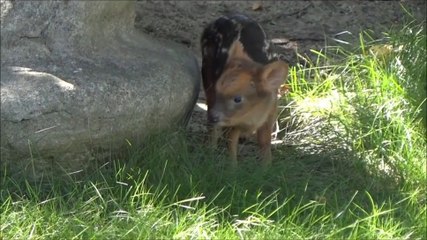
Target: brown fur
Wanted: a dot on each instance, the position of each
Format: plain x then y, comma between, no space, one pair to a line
257,86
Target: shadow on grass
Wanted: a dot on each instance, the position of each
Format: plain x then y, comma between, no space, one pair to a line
185,167
175,167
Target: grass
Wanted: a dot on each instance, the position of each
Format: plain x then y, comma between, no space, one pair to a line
353,167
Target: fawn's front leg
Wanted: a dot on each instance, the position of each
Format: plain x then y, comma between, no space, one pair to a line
233,142
214,132
264,142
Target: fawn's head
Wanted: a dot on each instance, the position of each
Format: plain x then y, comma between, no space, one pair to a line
246,92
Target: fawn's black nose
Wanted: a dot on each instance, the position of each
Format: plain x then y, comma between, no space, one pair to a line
213,118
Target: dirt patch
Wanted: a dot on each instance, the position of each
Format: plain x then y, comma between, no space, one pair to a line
295,26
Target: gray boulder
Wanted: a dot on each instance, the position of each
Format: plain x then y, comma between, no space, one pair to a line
79,82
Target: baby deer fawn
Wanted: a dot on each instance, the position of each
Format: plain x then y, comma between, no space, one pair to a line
241,82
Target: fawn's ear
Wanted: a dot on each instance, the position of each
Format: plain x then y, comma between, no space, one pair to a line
236,56
236,52
273,75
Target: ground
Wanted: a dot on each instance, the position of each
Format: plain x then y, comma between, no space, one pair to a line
294,26
298,25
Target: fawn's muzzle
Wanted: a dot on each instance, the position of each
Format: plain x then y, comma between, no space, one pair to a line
213,117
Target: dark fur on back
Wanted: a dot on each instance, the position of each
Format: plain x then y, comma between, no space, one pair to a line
216,40
220,34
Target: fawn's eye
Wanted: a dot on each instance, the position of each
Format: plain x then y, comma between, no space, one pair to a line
237,99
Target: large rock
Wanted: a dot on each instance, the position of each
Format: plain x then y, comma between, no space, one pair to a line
78,83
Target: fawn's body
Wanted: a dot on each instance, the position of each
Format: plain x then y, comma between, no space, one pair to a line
240,81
